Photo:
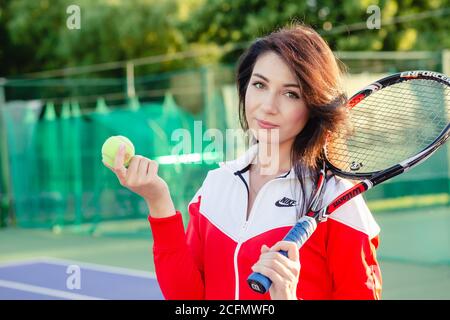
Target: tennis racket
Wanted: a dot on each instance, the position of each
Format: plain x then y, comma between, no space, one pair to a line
398,122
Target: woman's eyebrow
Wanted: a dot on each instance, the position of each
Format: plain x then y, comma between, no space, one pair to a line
267,80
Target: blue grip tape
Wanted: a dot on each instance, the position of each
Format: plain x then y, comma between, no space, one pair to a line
298,234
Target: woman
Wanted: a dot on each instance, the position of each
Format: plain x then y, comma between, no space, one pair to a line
290,99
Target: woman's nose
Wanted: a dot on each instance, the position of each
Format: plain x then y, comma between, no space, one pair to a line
269,104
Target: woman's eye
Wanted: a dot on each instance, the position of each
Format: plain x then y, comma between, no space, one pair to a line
292,95
258,85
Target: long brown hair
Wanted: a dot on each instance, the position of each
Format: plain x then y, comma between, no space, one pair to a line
319,75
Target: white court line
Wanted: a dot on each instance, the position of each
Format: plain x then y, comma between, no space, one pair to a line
103,268
19,262
45,291
92,266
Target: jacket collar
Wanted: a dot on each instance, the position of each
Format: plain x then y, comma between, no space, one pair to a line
243,161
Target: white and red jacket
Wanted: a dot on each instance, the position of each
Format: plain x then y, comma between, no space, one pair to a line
213,258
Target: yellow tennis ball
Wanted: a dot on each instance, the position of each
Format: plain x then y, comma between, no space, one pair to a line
111,146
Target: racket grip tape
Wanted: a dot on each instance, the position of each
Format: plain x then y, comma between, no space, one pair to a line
301,232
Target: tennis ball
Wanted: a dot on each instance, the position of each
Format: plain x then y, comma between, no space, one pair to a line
111,147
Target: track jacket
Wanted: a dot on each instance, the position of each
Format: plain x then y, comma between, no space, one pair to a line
213,258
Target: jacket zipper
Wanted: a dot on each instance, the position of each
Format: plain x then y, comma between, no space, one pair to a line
242,232
236,251
235,262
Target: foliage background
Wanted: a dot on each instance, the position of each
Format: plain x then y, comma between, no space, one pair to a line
34,36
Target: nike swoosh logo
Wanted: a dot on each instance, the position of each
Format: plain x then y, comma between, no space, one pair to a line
279,204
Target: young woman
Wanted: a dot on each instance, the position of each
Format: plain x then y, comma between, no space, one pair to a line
289,84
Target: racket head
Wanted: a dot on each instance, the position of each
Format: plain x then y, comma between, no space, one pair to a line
394,120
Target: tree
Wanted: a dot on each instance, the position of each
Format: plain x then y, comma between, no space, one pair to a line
342,23
35,37
110,31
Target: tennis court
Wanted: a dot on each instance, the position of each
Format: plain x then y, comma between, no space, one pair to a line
116,261
45,278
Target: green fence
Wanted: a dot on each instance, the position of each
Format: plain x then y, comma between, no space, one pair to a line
56,173
57,177
51,171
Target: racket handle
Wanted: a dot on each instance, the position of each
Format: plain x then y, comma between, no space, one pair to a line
301,232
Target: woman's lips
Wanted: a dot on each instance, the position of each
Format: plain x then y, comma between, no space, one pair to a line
266,125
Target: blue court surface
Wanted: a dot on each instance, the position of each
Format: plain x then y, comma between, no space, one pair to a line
55,279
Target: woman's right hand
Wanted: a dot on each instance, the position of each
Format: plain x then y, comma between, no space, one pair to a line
142,178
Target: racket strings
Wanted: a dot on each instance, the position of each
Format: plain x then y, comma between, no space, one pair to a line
391,125
425,97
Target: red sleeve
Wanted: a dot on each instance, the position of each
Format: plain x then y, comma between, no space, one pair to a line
352,262
177,256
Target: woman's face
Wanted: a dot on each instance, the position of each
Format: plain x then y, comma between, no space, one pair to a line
273,101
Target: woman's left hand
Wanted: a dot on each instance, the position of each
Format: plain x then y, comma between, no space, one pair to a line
282,271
